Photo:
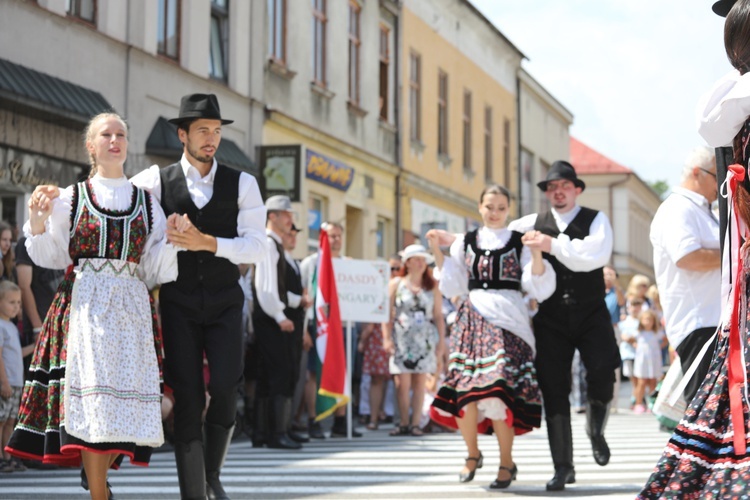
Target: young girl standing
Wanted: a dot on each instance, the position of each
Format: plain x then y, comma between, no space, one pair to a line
647,367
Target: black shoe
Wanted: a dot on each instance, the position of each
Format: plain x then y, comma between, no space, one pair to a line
216,447
600,449
299,438
466,477
341,432
499,485
85,483
315,431
563,476
282,441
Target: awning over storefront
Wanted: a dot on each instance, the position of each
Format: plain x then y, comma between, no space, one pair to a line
38,94
163,141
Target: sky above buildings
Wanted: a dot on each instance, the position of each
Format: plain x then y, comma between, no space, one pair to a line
631,72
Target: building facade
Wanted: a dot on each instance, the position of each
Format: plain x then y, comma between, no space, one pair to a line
627,200
330,76
544,136
137,58
460,122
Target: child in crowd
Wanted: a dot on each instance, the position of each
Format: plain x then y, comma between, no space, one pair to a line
647,368
628,327
11,369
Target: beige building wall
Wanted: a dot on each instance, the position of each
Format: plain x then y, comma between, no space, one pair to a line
452,37
545,138
630,205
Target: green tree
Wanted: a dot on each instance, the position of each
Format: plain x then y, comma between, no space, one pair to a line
660,187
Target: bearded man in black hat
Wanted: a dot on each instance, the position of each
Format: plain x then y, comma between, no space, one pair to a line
201,312
577,241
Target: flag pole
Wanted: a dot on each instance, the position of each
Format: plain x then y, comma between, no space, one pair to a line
348,379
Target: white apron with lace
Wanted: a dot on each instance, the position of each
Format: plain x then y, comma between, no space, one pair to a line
105,400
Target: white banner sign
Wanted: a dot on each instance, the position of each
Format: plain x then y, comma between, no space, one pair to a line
363,289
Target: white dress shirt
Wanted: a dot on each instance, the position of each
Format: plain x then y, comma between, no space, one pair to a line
250,244
578,255
267,282
158,263
683,224
503,308
724,109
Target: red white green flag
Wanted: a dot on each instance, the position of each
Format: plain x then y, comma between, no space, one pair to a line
330,339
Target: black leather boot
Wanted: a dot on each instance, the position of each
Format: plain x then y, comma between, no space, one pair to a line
216,439
280,416
597,414
561,447
191,471
260,425
339,428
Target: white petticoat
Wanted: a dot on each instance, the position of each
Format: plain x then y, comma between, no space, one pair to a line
112,376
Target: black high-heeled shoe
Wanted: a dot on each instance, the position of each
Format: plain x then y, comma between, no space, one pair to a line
85,485
499,485
466,477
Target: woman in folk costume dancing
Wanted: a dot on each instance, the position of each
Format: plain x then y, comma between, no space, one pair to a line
94,390
491,379
707,456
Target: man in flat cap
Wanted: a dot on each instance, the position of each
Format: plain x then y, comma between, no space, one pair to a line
278,292
201,312
577,241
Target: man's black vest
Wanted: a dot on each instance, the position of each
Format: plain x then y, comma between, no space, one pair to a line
573,288
218,218
294,285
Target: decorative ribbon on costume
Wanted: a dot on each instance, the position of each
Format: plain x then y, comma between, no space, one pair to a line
735,362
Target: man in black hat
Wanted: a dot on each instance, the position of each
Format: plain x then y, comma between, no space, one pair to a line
201,311
577,241
277,317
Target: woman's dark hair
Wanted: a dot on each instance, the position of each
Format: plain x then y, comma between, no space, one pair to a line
737,36
428,282
737,46
8,259
494,189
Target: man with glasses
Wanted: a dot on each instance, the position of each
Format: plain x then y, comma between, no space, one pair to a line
577,241
687,263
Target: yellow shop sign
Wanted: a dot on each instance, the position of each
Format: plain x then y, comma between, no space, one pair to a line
328,171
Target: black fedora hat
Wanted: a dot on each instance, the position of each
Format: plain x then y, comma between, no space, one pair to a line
722,7
562,170
197,106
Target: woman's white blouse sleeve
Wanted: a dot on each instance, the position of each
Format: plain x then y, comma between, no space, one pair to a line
538,287
50,249
159,259
454,280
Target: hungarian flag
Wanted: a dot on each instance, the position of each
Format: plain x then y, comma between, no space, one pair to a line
330,338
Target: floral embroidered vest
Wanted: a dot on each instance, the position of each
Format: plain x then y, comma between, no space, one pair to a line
96,232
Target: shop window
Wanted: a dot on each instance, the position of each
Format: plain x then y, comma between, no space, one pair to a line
317,213
415,97
85,10
168,35
385,64
488,174
277,31
319,42
382,237
355,41
467,130
442,113
219,37
506,150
